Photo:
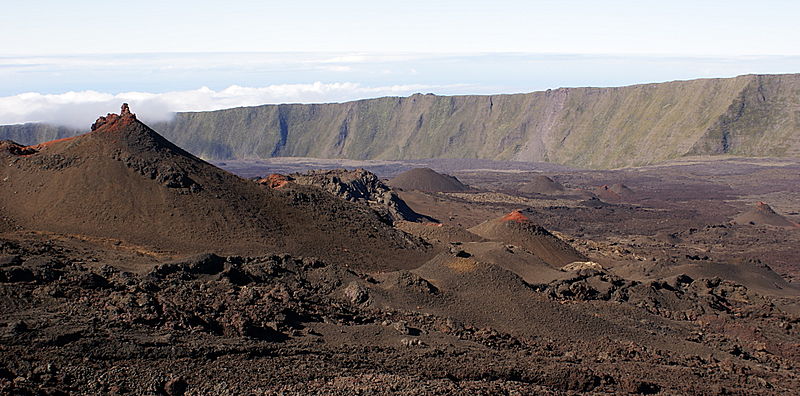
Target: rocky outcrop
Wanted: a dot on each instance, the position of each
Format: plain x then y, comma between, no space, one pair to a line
7,146
576,266
275,180
363,186
111,118
679,297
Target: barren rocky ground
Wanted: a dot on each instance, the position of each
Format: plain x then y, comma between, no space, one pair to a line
637,280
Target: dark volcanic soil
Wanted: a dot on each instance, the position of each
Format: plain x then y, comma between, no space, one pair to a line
268,324
128,266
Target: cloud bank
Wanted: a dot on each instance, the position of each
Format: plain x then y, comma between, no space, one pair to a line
74,90
80,109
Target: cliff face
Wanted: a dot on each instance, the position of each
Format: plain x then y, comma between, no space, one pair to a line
586,127
762,120
33,133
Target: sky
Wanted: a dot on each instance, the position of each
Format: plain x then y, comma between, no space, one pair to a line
66,62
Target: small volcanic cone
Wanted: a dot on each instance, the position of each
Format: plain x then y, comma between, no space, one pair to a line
438,232
515,215
541,184
763,214
613,193
517,229
605,193
428,180
621,189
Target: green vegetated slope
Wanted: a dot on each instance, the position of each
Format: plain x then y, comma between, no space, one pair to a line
753,115
762,120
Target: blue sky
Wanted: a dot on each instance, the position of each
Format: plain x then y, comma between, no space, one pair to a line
676,27
198,55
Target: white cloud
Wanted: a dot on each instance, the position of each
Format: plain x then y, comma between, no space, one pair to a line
204,61
337,68
373,58
80,109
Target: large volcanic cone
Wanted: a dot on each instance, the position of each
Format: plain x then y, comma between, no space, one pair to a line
122,180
